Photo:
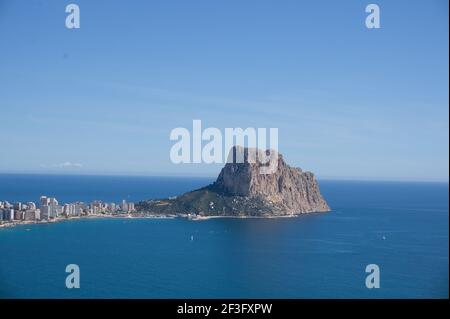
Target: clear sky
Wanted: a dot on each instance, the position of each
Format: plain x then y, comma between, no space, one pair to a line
349,102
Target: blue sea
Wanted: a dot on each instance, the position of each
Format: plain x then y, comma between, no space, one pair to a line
401,227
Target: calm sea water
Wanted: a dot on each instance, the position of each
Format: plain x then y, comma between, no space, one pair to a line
401,227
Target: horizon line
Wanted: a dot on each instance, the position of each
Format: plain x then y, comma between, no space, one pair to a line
168,175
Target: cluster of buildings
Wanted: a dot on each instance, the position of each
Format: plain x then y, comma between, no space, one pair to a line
49,208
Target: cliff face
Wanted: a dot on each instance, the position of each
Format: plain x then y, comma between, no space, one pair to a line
287,188
247,187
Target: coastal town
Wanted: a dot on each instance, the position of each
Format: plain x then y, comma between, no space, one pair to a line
50,210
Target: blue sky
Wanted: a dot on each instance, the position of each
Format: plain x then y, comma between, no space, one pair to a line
349,102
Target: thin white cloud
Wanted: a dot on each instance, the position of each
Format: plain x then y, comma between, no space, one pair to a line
62,165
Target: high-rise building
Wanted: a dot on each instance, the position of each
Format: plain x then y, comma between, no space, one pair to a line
31,205
6,214
18,206
18,215
44,200
6,204
45,212
30,214
124,206
55,209
11,213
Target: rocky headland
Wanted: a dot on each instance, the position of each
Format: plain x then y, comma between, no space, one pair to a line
243,190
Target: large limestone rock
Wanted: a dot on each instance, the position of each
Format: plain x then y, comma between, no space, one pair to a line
287,188
248,185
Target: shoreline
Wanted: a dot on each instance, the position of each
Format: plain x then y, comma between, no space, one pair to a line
59,219
188,217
